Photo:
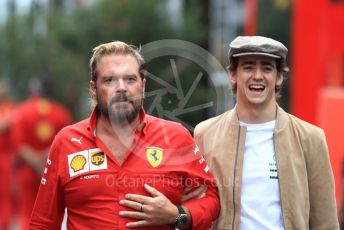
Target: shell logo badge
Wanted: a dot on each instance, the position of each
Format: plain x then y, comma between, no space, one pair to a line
86,161
78,163
154,156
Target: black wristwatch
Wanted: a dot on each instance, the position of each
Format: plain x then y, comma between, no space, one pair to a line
181,218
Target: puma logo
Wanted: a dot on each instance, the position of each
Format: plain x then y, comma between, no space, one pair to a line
73,139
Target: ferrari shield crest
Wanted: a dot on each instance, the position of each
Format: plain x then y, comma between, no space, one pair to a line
154,156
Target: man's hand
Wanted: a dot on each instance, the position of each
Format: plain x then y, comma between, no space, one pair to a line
194,194
150,211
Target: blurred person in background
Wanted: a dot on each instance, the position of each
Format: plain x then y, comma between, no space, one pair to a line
95,166
273,169
35,124
6,155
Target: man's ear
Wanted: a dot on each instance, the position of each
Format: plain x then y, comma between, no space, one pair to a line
92,89
144,83
143,88
279,80
232,77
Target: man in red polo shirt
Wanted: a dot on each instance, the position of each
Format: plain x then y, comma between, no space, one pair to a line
96,166
6,163
35,124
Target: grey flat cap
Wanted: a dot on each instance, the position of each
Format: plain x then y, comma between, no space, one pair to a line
257,45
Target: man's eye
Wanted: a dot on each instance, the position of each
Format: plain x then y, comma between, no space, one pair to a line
109,80
131,79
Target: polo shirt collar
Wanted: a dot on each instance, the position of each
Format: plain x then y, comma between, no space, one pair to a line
95,113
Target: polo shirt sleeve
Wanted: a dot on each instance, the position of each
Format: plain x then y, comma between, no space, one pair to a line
49,207
204,210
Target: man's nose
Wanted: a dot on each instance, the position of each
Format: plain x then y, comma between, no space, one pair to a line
258,73
121,86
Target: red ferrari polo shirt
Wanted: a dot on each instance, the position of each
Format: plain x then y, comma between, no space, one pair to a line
83,176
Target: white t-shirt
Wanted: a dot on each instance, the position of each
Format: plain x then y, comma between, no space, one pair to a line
260,197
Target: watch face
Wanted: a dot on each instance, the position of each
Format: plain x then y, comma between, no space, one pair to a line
181,220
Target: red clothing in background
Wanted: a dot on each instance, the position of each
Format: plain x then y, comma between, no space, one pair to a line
6,163
35,125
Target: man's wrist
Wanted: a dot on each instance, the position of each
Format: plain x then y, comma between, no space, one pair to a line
182,220
175,214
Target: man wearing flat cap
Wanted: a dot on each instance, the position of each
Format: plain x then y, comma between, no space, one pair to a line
273,169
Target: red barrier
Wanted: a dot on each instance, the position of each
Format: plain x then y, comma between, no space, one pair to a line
330,116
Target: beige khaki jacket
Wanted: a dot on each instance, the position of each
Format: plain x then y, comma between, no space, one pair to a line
305,175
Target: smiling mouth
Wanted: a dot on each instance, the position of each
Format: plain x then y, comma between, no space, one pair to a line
256,88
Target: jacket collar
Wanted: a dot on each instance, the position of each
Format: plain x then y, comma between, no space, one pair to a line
281,118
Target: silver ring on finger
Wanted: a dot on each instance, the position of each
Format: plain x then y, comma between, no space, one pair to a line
141,208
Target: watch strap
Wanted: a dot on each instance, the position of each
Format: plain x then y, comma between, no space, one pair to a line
181,218
181,209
